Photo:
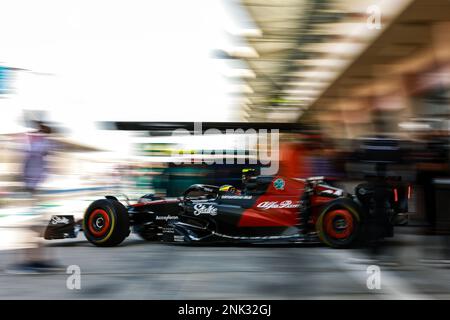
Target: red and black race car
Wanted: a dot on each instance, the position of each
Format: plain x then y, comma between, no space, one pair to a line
269,208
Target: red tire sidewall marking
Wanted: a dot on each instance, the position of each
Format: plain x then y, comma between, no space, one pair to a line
329,223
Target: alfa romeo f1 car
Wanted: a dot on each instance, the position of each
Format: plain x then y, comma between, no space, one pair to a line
269,208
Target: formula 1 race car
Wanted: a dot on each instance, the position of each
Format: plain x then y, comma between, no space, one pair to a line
269,208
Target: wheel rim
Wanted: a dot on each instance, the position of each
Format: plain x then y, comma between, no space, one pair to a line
339,224
99,222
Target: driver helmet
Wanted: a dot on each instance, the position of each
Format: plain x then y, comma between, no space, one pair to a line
227,188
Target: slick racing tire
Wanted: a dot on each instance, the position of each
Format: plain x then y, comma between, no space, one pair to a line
340,223
106,223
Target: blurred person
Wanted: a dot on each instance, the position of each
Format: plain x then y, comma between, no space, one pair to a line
35,170
319,163
247,175
433,164
294,161
323,161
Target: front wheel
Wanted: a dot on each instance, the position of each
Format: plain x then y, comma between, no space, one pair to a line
106,223
339,224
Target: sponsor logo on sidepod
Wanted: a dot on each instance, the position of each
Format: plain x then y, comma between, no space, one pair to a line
205,209
287,204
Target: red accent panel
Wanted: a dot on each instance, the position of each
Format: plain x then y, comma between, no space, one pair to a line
276,207
318,200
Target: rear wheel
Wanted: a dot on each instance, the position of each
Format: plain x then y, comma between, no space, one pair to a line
106,223
339,224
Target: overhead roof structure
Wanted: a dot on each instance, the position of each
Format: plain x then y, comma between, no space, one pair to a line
405,47
303,47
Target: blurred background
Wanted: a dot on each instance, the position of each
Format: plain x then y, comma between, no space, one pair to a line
360,78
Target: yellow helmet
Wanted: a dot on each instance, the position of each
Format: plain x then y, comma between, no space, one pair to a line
227,188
